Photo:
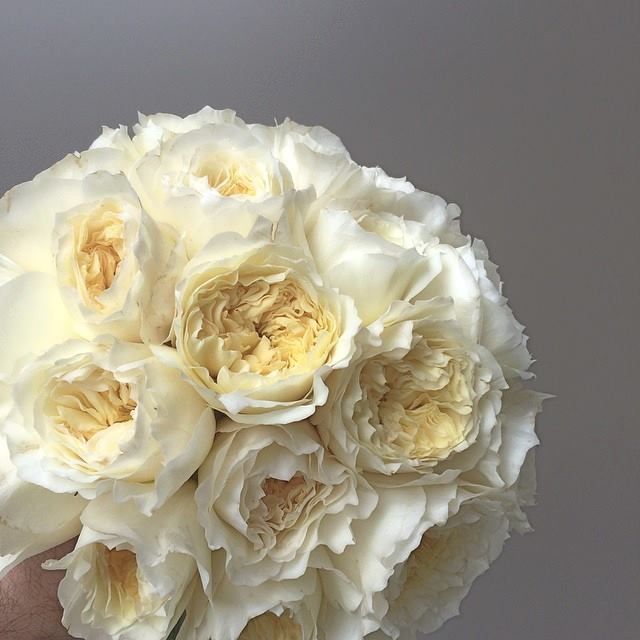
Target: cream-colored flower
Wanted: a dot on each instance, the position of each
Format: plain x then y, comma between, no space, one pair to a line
270,496
204,175
256,330
213,154
34,318
416,396
412,242
107,416
115,266
428,588
354,580
313,156
395,210
274,606
32,519
130,577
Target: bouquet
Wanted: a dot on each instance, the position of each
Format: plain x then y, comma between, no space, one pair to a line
275,394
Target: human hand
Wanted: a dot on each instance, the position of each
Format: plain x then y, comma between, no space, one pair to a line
29,607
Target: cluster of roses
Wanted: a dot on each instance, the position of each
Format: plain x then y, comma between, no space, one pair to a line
277,395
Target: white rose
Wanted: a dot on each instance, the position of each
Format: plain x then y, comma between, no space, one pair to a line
313,156
397,211
107,416
274,610
213,154
427,589
131,576
84,225
32,519
206,174
418,394
257,331
270,495
412,242
372,271
389,408
353,581
392,207
405,510
34,317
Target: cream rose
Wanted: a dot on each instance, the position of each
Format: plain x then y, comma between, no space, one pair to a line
116,267
427,589
270,496
275,606
212,156
412,241
395,210
84,225
106,416
32,519
131,576
257,331
313,156
417,395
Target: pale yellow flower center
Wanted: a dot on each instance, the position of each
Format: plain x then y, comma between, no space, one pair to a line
99,251
117,584
284,502
263,328
123,571
85,407
229,178
269,626
421,404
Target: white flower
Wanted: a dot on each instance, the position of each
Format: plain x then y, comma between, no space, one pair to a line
268,611
418,394
354,580
372,271
313,156
32,519
107,416
130,577
212,153
34,318
270,496
257,331
399,243
428,588
84,225
395,210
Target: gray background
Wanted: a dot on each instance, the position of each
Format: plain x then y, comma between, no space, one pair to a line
525,113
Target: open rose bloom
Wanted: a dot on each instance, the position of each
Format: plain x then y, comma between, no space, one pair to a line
273,394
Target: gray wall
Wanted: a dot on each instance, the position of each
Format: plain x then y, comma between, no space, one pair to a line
525,113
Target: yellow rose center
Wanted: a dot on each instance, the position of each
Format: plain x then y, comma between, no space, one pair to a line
229,178
421,404
99,251
284,501
269,626
122,568
117,584
263,328
88,406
